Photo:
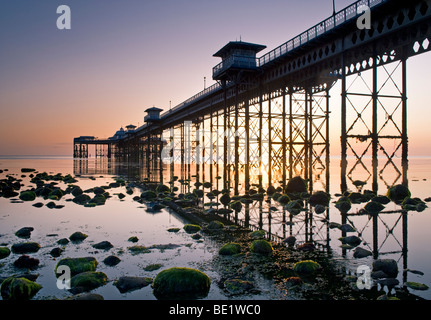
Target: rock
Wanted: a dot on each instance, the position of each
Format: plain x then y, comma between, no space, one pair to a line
374,207
77,191
133,239
148,195
98,200
271,190
351,240
78,265
138,249
27,247
215,225
56,252
63,241
334,225
153,267
258,234
24,232
296,185
87,281
361,253
306,247
4,252
82,199
294,206
78,236
181,283
86,296
388,266
319,197
230,249
173,230
238,286
126,284
225,199
27,196
27,170
192,228
306,267
111,261
290,241
416,285
398,193
261,247
38,205
26,262
19,289
104,245
389,282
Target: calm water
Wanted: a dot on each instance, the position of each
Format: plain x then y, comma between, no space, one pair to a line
390,236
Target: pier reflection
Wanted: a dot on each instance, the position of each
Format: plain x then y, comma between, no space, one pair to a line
384,234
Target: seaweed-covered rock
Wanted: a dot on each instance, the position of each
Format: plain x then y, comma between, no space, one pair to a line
238,286
181,282
78,236
103,245
63,241
230,249
258,234
283,199
261,247
416,285
398,193
24,232
133,239
225,199
19,289
111,261
126,283
86,281
236,205
26,247
361,253
86,297
27,196
192,228
78,265
215,225
56,252
4,252
306,267
26,262
296,185
319,197
343,204
148,195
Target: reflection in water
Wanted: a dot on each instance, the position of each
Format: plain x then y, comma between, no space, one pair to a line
383,234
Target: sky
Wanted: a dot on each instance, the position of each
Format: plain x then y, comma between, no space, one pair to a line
121,57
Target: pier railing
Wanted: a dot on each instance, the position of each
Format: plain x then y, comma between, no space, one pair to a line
339,18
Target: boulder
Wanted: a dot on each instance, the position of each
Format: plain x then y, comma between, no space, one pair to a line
361,253
261,247
78,236
4,252
111,261
19,289
192,228
181,283
398,193
374,207
126,284
78,265
104,245
27,196
296,185
24,232
306,267
319,197
230,249
26,262
56,252
215,225
353,241
26,247
87,281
